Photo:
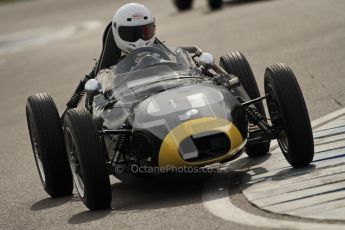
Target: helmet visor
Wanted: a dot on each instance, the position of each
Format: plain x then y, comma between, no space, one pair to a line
133,33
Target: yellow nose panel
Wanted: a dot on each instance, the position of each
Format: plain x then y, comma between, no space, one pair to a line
169,154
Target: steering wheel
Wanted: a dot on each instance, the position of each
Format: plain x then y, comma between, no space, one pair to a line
149,50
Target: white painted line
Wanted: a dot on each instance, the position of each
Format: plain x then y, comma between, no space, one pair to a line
39,36
215,197
320,121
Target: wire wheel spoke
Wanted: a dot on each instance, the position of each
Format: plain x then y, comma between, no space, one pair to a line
277,119
74,162
36,149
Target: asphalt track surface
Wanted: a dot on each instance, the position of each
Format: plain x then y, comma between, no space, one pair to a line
308,35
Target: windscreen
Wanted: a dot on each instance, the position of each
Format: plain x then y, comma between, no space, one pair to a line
145,57
150,66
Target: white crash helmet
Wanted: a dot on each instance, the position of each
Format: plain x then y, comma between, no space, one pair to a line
133,27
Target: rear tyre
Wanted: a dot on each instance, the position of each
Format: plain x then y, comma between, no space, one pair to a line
288,110
87,161
236,63
215,4
46,137
183,4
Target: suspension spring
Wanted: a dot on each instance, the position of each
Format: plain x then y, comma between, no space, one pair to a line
254,116
77,95
88,103
120,145
79,92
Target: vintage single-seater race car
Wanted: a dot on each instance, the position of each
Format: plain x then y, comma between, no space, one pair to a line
164,107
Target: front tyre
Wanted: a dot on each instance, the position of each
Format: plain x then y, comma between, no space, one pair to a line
47,142
236,63
87,161
288,110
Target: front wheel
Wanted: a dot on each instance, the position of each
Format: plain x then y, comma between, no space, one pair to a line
288,111
236,63
87,161
46,137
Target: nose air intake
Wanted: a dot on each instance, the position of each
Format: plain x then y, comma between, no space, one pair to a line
204,146
200,141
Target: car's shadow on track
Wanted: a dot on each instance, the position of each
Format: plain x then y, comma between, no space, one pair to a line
88,216
164,191
167,191
280,175
158,193
292,172
51,203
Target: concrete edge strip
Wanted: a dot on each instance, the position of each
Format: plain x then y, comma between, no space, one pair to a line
331,116
215,198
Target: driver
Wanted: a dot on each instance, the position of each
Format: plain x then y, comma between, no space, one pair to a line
133,27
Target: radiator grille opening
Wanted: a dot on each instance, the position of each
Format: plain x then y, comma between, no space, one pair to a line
204,146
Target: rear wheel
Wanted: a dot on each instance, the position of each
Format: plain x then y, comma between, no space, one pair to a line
215,4
288,110
183,4
46,137
87,161
236,63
